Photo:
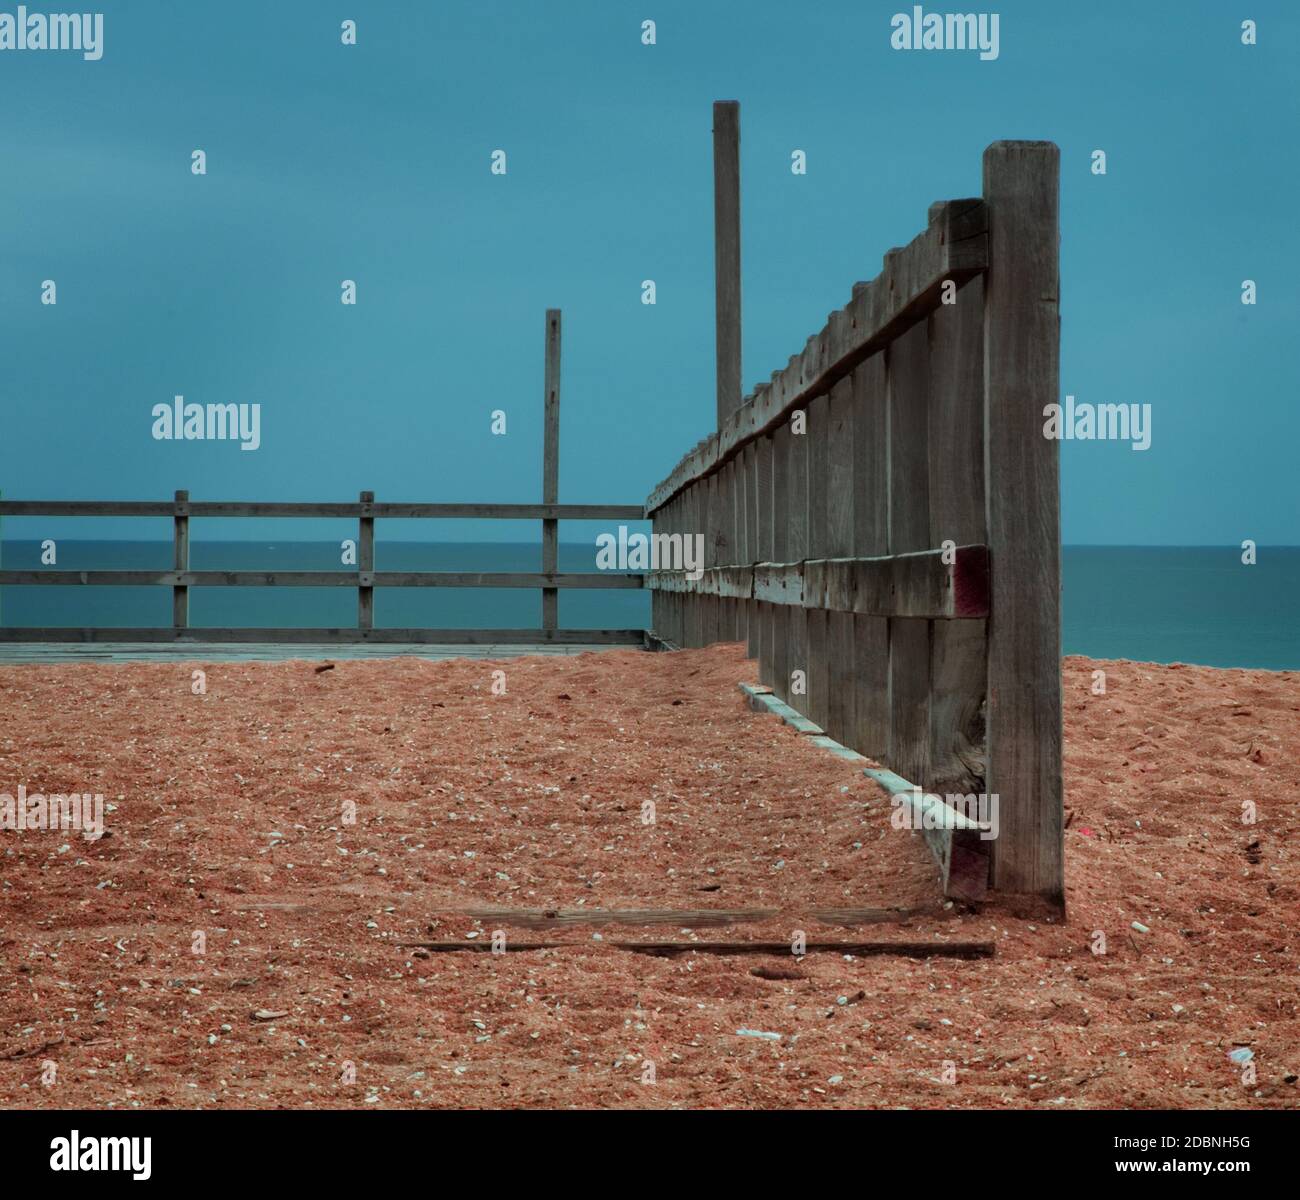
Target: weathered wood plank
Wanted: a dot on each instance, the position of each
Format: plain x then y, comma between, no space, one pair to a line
870,540
1021,377
841,694
690,918
796,549
817,702
726,253
780,623
551,464
766,614
932,585
909,530
958,674
181,559
366,564
858,949
954,246
954,838
750,459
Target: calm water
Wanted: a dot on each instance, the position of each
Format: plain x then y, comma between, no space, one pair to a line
1164,604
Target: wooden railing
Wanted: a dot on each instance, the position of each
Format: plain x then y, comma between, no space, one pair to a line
881,520
365,579
366,510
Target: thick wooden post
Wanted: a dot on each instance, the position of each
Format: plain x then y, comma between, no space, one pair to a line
551,466
366,564
181,559
1022,497
726,252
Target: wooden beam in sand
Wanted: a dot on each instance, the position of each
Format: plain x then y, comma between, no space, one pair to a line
665,949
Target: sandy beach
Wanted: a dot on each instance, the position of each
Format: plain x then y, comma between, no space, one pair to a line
230,829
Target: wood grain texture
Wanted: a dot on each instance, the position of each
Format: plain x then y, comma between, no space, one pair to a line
551,464
797,549
181,559
1022,483
953,246
958,673
726,254
780,552
909,530
842,685
366,564
818,436
871,540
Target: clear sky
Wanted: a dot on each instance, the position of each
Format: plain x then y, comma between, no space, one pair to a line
371,162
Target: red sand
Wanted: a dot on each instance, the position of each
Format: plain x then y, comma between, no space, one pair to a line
229,820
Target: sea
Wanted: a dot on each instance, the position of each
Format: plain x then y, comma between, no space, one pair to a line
1191,604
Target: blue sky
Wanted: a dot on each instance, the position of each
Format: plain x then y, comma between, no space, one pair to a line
371,163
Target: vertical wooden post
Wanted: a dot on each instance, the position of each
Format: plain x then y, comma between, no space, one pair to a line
1022,328
181,559
726,252
366,563
551,466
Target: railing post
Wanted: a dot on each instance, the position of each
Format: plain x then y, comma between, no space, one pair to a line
366,564
726,252
1022,330
551,466
181,559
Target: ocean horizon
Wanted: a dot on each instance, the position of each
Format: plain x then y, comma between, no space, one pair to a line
1191,604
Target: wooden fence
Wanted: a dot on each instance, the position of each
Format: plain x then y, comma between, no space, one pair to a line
365,510
881,521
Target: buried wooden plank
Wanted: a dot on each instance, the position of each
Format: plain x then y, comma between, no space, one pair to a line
690,918
954,839
858,949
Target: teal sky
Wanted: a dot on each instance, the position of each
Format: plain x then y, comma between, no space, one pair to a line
371,163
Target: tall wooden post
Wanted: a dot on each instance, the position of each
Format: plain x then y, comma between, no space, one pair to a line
1022,328
726,252
551,466
181,559
366,564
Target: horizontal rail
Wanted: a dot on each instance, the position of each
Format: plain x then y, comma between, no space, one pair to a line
349,579
921,584
953,247
253,508
257,636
